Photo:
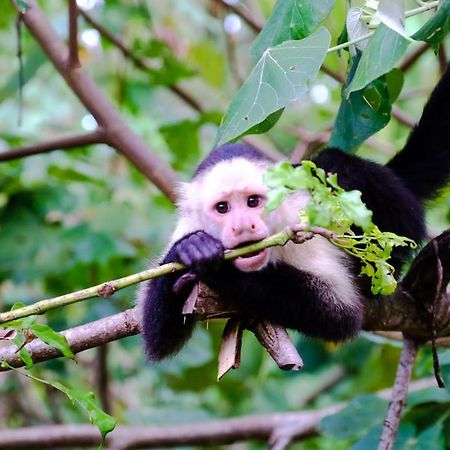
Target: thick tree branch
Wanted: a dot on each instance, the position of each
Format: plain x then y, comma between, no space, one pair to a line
119,134
214,432
399,393
80,338
63,143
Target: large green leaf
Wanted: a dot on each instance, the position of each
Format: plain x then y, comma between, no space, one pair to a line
436,28
365,111
282,75
290,20
383,51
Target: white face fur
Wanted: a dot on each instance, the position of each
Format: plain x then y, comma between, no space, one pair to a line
228,203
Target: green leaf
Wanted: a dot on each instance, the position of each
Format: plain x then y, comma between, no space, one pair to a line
432,438
52,338
355,209
394,82
383,51
361,115
290,20
33,60
87,400
275,197
282,75
436,28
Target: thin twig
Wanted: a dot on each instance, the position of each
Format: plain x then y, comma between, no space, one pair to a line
399,392
63,143
74,60
108,288
244,15
413,57
443,61
19,22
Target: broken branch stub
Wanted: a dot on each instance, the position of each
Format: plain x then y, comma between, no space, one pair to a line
205,304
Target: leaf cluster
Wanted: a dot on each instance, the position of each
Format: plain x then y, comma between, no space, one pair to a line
344,213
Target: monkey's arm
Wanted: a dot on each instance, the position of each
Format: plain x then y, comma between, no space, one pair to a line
291,298
164,328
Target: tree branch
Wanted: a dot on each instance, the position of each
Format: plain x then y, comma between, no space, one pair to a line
214,432
399,392
74,60
80,338
63,143
404,311
118,133
247,18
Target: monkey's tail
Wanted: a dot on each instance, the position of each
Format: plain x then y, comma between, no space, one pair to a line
424,162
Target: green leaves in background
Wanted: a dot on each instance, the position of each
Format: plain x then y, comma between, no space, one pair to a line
282,75
290,20
87,400
163,66
436,28
383,51
361,414
183,139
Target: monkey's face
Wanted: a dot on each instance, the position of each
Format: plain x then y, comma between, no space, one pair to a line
236,218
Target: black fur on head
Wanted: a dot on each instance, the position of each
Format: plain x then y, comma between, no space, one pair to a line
229,151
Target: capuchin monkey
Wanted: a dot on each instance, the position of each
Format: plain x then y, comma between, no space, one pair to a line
314,287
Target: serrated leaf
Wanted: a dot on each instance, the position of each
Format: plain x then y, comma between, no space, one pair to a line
383,51
355,209
275,197
436,28
282,75
290,20
52,338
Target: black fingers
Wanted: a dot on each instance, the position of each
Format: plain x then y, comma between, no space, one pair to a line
200,251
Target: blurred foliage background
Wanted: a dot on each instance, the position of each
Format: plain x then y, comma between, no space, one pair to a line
72,219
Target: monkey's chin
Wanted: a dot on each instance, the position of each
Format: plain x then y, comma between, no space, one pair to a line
253,262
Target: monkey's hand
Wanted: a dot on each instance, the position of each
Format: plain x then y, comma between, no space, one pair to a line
200,252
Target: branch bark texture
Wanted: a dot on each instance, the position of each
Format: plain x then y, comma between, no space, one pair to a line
119,134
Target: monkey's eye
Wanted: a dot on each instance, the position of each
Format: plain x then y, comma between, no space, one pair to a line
222,207
253,201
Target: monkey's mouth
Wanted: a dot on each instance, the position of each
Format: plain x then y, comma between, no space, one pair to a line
251,261
245,244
